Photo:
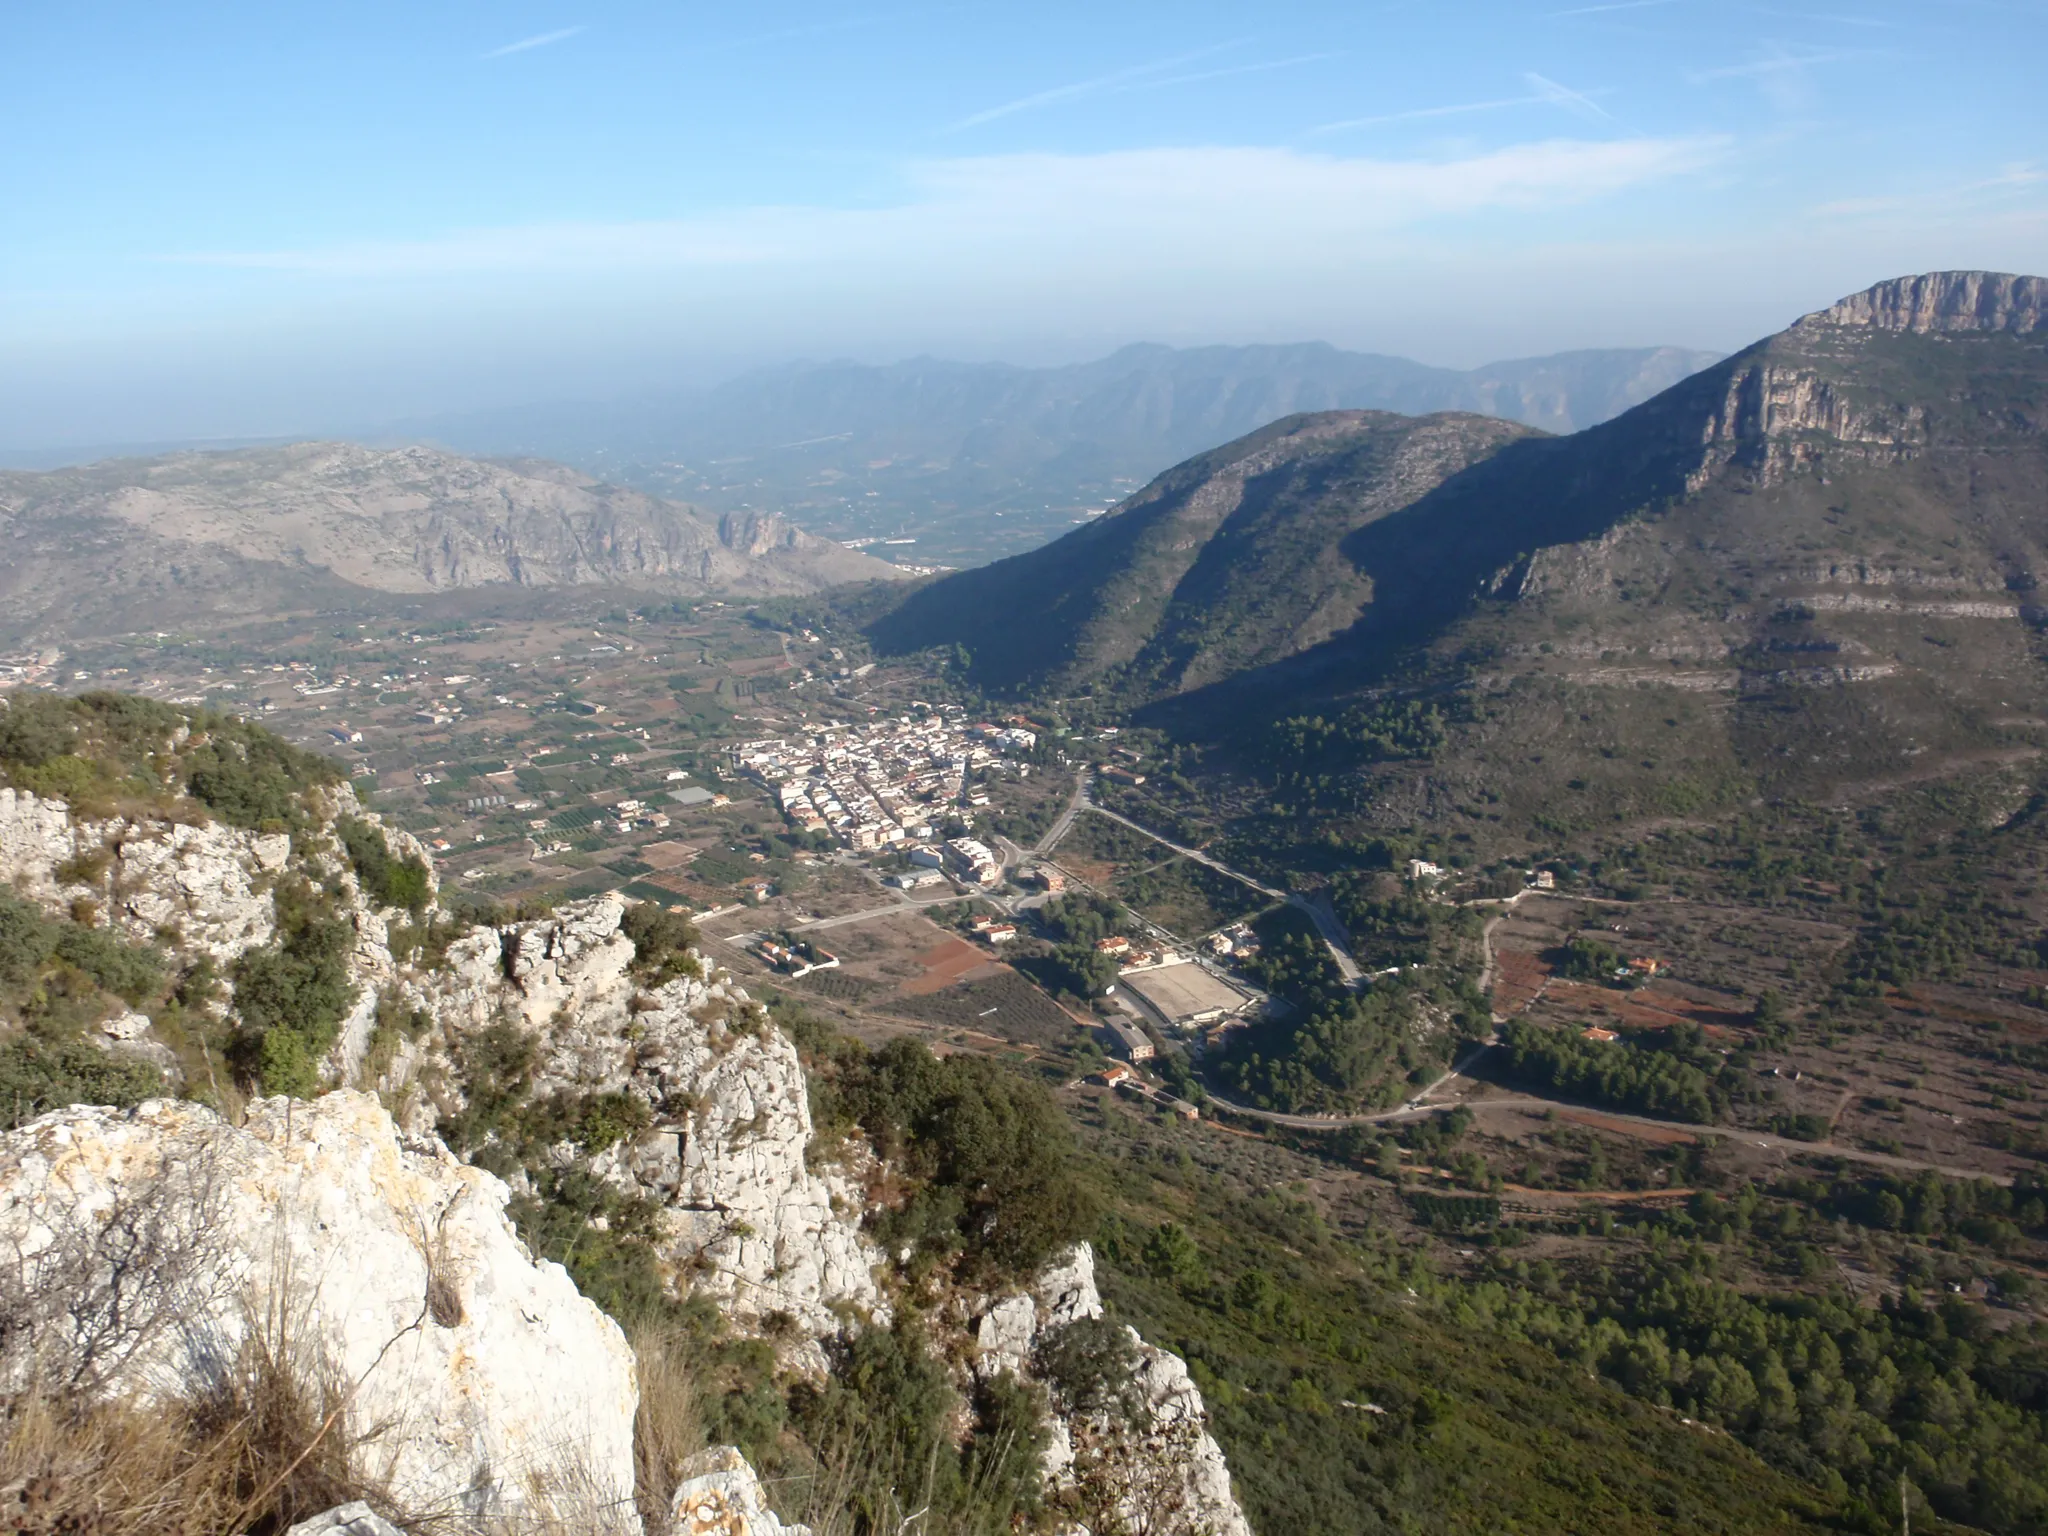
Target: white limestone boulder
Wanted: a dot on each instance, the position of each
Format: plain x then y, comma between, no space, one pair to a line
161,1240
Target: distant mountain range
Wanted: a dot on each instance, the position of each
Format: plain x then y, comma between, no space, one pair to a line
154,543
1839,532
964,462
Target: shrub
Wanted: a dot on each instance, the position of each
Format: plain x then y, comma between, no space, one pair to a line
993,1151
27,939
661,943
1092,1365
132,972
38,1075
388,882
297,986
250,778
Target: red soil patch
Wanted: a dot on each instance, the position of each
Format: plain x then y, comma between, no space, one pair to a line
1600,1122
1517,977
1093,871
1647,1008
944,964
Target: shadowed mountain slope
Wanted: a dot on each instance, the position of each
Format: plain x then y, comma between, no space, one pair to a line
972,461
1839,530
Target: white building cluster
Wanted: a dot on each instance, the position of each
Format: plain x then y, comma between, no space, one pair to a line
880,784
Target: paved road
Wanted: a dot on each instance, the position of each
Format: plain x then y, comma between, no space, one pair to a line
1076,802
1335,939
907,904
1536,1101
1193,853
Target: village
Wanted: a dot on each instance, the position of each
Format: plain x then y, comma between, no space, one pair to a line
889,782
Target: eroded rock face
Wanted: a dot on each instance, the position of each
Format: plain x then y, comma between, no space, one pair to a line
206,883
1160,1472
1943,301
481,1379
719,1495
747,1220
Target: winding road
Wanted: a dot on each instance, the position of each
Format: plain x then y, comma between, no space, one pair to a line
1335,939
1525,1100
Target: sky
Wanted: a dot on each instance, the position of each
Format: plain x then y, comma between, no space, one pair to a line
258,219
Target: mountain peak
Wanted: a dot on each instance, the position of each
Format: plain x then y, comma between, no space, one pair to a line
1943,301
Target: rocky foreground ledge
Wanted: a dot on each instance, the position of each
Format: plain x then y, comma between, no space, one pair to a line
156,1245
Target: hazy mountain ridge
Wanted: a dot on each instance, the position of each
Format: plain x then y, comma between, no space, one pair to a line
977,460
133,542
1849,510
1232,560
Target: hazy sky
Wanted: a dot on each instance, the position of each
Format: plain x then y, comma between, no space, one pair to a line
240,218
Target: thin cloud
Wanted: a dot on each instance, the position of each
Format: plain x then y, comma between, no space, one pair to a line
1830,17
2023,174
1224,74
1035,212
1415,114
540,40
1601,10
1097,86
1773,64
1564,96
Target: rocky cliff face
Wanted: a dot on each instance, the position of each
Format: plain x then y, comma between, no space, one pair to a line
163,1241
747,1220
197,887
488,1381
1936,302
259,529
1160,1470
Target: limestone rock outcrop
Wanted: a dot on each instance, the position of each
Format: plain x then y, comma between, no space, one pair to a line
1943,301
205,882
1160,1471
719,1495
162,1241
747,1219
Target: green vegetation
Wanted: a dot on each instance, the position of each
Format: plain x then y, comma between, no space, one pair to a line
99,751
293,993
1337,1049
1073,925
250,778
883,1420
388,882
1313,762
1356,1392
1847,1398
41,1072
59,978
990,1153
661,943
1670,1073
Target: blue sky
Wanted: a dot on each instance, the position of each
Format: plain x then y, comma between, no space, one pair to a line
241,219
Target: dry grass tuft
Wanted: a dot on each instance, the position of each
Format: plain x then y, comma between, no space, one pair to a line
254,1451
668,1429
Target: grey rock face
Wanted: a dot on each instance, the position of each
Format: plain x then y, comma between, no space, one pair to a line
160,1240
356,1519
1162,1470
720,1495
1943,301
747,1220
250,529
